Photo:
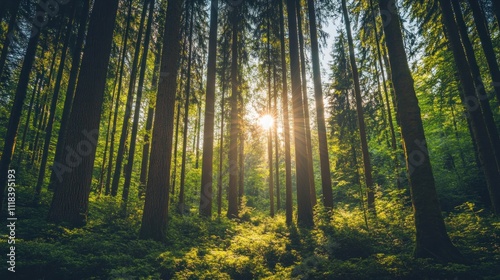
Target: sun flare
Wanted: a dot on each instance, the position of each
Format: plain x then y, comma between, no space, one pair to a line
266,121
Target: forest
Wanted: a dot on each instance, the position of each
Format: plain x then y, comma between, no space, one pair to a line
250,139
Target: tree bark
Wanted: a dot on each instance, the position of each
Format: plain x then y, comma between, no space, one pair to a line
53,107
286,122
304,200
359,109
486,43
431,238
326,179
232,211
128,107
70,200
19,97
306,104
476,108
137,110
206,192
154,219
182,187
70,91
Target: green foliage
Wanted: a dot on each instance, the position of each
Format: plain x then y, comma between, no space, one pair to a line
340,246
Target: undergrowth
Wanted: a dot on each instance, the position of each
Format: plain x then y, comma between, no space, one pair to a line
340,246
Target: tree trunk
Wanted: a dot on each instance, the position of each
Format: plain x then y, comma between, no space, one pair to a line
232,211
28,117
70,200
241,148
138,100
486,43
269,112
154,219
326,179
149,126
17,106
221,144
206,192
182,187
276,140
53,107
70,92
128,107
359,109
475,109
286,122
306,104
304,200
431,238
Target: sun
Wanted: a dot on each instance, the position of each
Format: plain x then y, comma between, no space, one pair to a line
266,121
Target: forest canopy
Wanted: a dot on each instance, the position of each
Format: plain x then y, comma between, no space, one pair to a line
250,139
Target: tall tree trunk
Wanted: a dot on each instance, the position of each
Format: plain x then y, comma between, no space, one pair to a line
306,104
41,128
190,16
149,126
198,135
304,200
241,147
386,95
359,109
10,33
485,145
276,139
482,96
53,107
70,200
38,79
206,192
128,107
232,211
269,112
326,179
70,92
137,111
286,122
486,43
154,219
222,124
431,238
19,97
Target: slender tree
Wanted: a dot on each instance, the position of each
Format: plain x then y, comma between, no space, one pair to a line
359,110
286,121
187,102
128,107
326,179
39,21
53,105
232,211
305,100
304,201
137,110
208,130
487,44
472,102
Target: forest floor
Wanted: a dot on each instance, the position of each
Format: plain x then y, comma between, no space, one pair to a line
254,247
